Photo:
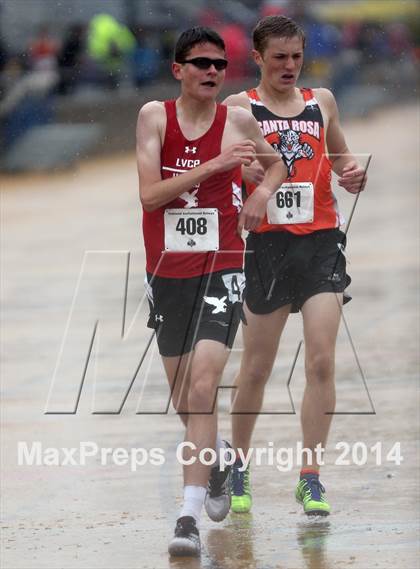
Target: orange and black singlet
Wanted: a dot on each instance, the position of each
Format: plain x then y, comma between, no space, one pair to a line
305,202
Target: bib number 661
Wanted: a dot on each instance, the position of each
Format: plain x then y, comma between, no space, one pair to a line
285,199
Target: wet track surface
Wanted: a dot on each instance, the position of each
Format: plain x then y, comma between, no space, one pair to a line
107,516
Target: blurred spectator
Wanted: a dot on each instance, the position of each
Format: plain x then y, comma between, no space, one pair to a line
43,49
71,57
238,12
110,44
350,33
167,45
4,56
345,72
399,39
235,36
208,17
300,11
323,44
27,101
373,43
275,8
145,59
325,40
237,49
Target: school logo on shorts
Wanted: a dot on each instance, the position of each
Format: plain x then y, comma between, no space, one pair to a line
218,303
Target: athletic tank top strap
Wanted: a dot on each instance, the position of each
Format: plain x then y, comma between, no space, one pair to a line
253,97
173,131
219,121
307,94
309,97
170,107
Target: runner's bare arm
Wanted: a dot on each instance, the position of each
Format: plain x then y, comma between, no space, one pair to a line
155,192
254,173
238,100
352,177
275,171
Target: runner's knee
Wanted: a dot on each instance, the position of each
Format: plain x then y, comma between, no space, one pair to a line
320,367
202,395
255,374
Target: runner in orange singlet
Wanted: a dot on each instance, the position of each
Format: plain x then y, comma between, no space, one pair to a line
295,259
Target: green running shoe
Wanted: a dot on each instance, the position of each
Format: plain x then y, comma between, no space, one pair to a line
311,493
241,499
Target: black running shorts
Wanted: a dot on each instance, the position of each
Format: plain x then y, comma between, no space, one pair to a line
184,311
282,268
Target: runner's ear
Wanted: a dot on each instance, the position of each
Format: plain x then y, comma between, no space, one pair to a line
257,57
177,70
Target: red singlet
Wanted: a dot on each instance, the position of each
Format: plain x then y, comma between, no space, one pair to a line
221,191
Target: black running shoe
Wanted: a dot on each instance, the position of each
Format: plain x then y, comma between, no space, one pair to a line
186,540
217,501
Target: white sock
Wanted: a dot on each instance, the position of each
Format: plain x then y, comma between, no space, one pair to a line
193,502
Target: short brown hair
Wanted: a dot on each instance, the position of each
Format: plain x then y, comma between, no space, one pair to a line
275,26
193,36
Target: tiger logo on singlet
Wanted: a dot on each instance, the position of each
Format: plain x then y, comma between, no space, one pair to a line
290,147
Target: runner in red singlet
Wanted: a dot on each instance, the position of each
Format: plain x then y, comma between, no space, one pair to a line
295,258
190,152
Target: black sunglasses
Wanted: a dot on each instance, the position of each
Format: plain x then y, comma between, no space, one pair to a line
207,62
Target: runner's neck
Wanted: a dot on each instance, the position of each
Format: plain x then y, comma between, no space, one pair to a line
190,110
283,103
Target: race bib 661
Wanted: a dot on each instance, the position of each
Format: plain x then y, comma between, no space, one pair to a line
292,203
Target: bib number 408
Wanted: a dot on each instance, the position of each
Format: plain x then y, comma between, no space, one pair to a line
192,226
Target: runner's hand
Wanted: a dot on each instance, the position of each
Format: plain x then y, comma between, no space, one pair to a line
253,174
254,210
353,178
239,154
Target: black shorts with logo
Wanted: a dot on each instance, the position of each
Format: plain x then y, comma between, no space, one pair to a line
283,268
184,311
